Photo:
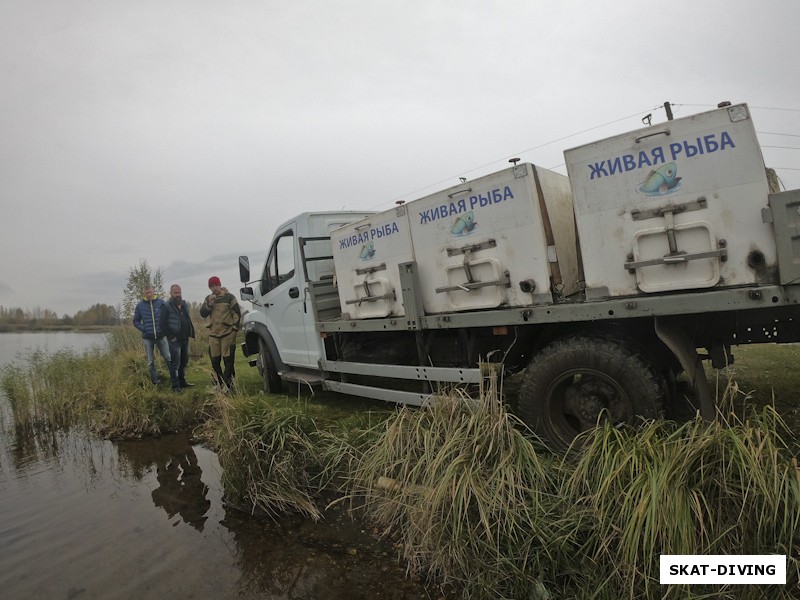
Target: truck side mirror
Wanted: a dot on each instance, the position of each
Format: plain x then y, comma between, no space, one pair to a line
246,293
244,269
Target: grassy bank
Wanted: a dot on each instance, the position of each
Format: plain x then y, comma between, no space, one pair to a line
470,497
108,391
480,506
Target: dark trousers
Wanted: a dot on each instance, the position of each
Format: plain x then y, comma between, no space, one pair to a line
179,351
226,376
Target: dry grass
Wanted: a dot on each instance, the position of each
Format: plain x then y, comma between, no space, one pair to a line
268,456
479,504
469,495
107,391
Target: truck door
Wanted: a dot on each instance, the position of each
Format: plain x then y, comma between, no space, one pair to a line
283,296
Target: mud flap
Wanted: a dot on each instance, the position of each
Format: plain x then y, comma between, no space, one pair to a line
683,349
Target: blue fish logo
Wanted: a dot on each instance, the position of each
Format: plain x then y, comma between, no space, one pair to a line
464,224
367,251
663,180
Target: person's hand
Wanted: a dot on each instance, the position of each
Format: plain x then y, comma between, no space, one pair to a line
210,300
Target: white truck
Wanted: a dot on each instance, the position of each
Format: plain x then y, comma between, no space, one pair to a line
601,285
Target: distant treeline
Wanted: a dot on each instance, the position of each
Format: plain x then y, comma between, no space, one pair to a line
16,318
103,315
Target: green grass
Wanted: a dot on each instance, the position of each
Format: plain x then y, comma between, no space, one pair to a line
476,502
766,374
729,487
108,392
467,493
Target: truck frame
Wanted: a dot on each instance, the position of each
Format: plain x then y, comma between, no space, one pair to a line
587,355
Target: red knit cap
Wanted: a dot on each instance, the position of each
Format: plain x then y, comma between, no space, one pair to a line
214,281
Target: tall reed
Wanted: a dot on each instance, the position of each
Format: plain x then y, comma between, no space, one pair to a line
106,390
466,493
268,455
477,502
728,487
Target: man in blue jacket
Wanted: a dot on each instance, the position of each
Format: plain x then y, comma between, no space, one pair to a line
147,319
178,327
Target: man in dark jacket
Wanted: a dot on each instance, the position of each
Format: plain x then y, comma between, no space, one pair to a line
224,312
147,319
177,325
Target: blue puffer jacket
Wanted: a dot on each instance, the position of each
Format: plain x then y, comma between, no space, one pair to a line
146,318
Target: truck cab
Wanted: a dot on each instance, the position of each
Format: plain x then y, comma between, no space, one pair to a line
279,330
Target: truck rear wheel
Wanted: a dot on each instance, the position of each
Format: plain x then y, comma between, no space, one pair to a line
573,382
266,367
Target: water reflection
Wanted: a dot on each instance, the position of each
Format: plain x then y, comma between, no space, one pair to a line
27,448
297,559
291,558
87,518
180,490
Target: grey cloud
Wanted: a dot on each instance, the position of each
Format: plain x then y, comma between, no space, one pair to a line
126,135
180,269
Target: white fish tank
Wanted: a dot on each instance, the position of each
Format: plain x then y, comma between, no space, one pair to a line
506,239
366,255
675,206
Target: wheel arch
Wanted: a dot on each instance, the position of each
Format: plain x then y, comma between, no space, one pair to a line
252,337
640,333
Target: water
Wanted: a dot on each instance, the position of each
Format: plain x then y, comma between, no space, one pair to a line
82,518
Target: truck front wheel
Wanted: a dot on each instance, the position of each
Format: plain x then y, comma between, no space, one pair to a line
573,382
266,367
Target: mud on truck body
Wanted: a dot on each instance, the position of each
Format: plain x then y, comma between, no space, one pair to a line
663,247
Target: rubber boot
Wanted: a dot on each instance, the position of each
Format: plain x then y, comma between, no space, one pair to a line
229,370
219,380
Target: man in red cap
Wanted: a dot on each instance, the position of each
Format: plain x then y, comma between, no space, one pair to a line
225,315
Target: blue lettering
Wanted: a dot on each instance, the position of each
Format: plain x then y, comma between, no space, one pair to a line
630,163
353,240
382,231
452,208
726,141
658,155
690,150
615,166
598,169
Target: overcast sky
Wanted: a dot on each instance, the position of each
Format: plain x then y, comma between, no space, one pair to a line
184,132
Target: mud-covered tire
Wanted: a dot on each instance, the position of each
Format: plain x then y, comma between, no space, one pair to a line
571,382
266,367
